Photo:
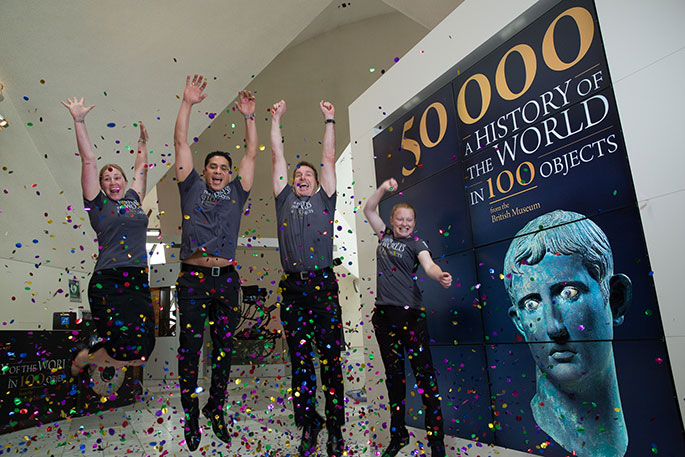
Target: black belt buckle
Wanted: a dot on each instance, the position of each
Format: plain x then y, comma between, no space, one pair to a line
216,271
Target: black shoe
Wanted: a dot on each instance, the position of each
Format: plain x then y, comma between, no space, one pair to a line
438,449
335,445
191,430
310,433
397,442
216,416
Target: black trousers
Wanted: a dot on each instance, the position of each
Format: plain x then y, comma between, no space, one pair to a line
203,297
122,311
399,330
311,317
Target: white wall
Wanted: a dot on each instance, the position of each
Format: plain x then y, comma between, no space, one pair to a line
55,237
645,48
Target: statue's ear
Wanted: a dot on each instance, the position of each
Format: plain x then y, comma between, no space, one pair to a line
620,296
516,319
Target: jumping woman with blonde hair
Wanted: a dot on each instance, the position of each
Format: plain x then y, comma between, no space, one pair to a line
399,319
118,292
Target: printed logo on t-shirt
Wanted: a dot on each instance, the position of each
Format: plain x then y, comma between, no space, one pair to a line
130,208
301,207
394,248
210,198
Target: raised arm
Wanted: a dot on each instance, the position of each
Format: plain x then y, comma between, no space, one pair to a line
328,178
139,183
246,105
371,206
279,166
89,170
433,270
191,95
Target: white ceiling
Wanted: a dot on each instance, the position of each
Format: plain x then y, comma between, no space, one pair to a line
339,13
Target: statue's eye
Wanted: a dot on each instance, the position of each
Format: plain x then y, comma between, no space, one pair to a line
569,293
531,304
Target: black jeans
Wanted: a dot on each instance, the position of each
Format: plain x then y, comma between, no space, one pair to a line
201,297
398,330
311,316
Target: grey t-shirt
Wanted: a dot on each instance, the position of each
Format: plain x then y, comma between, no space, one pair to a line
397,261
305,230
121,228
211,219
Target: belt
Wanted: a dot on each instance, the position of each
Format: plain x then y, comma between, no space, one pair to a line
211,271
304,275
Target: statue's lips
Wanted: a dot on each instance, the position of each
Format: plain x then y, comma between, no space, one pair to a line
562,354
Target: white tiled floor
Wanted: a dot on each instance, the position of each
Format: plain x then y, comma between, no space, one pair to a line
262,426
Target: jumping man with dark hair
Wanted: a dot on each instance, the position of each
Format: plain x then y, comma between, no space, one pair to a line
208,284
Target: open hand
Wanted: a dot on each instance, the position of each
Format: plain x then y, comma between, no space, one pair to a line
77,109
193,91
245,103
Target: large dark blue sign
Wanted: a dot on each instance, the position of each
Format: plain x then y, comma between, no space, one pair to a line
519,174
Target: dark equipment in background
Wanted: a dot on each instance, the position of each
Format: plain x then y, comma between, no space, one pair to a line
254,341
